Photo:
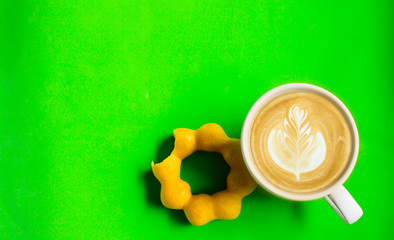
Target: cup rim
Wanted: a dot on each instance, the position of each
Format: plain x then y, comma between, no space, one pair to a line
246,131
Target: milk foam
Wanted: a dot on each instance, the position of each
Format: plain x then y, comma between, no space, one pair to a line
293,147
300,142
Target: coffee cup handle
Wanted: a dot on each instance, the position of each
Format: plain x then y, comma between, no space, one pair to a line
344,205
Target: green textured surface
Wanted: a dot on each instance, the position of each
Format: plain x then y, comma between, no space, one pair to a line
90,92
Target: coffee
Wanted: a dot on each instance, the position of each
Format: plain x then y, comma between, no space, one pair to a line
300,142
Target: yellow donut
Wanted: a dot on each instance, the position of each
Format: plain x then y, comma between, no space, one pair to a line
202,208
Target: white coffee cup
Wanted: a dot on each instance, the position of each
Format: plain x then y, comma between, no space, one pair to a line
335,194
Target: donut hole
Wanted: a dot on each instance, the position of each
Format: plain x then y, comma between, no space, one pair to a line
206,172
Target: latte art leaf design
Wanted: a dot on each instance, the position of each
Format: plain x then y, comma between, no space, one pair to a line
293,147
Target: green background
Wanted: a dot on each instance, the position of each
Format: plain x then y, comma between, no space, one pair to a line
90,92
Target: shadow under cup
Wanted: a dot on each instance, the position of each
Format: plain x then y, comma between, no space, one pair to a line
257,173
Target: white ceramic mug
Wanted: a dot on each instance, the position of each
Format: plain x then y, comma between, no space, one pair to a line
336,195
